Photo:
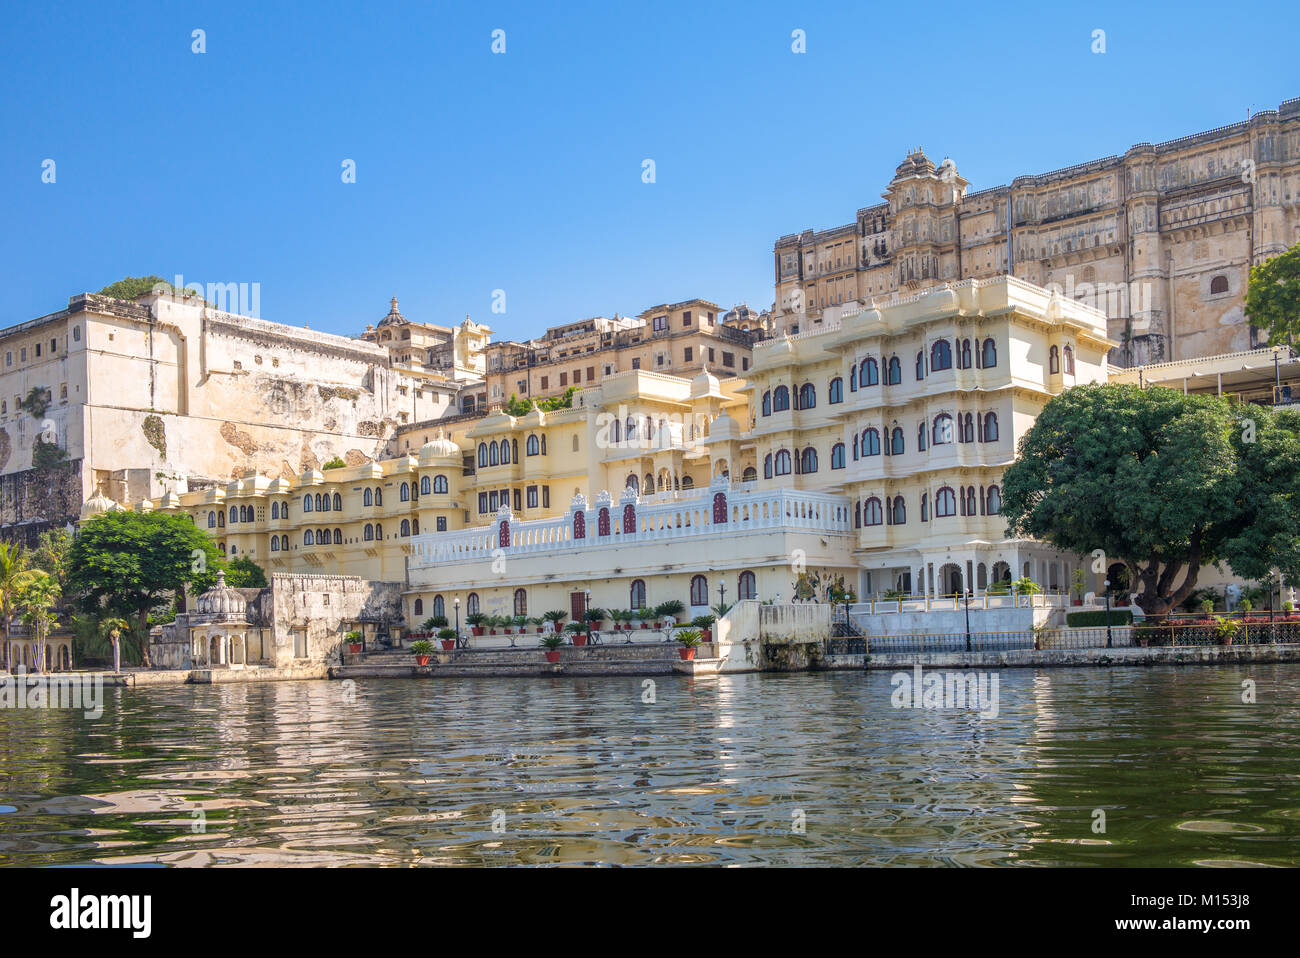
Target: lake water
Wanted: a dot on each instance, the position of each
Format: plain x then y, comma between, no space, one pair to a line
797,769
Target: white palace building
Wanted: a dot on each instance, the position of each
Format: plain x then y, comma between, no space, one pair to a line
868,447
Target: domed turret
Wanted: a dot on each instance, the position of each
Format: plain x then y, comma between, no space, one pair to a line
97,505
705,384
221,599
439,447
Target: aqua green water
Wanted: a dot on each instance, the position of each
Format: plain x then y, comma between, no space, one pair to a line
795,769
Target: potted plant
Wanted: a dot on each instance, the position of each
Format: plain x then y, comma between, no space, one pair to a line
1288,607
578,633
476,620
535,620
521,622
493,622
555,616
354,641
1207,606
690,640
644,616
448,638
1079,580
552,645
422,649
1245,605
594,618
705,624
436,622
1225,630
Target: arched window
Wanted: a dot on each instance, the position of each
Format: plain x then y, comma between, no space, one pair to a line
767,466
419,607
990,427
212,520
338,537
965,428
505,453
284,543
970,500
925,507
699,590
275,510
871,512
1218,284
965,354
521,601
543,445
837,456
900,511
369,533
379,531
514,450
853,378
415,527
780,399
404,494
747,586
532,447
1069,361
896,447
920,366
783,462
870,372
440,485
945,503
494,454
482,454
439,606
940,355
367,497
767,403
1053,361
425,487
308,538
808,396
245,513
233,516
989,357
749,475
379,496
406,527
275,543
636,594
808,460
221,519
895,372
631,428
993,501
921,437
942,431
871,442
835,393
471,604
633,482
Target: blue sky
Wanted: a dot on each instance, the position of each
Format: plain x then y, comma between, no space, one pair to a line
522,171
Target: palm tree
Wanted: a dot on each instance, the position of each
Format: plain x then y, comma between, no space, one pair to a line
38,591
13,562
113,627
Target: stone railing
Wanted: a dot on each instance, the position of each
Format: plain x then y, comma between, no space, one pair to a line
722,511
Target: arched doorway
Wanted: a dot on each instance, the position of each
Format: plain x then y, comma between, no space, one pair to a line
950,579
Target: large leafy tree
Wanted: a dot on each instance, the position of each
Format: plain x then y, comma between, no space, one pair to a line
1161,481
37,596
13,563
128,562
1273,296
243,573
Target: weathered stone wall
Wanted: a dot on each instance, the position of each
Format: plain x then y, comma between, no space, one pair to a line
324,607
34,500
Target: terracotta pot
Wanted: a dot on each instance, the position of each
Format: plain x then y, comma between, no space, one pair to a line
552,655
686,654
492,631
354,647
476,630
579,640
421,660
539,630
708,634
1076,602
448,644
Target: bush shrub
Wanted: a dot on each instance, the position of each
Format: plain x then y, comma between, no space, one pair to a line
1077,620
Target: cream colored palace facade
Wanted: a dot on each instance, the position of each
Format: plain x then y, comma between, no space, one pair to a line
870,449
1161,239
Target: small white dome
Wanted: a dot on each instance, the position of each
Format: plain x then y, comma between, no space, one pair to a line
97,505
439,447
221,599
705,384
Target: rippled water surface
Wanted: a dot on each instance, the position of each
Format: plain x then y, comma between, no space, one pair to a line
754,769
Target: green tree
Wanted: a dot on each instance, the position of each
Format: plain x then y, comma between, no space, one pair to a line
133,287
38,593
13,563
128,562
112,627
335,463
1151,477
1273,296
51,553
243,573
